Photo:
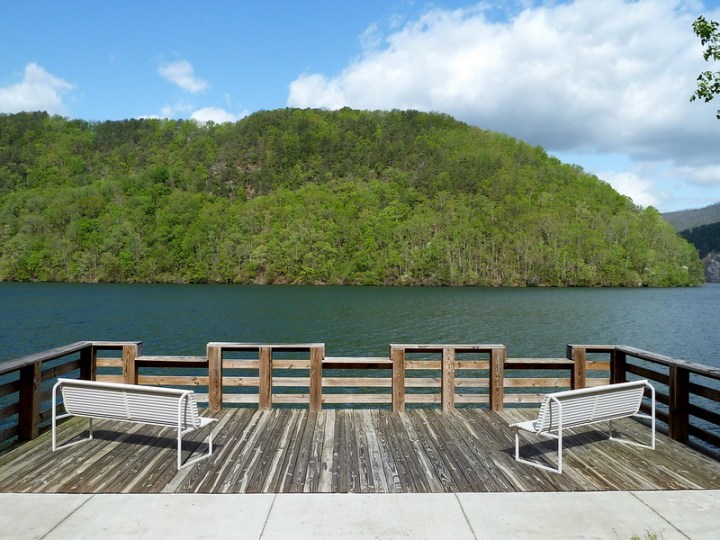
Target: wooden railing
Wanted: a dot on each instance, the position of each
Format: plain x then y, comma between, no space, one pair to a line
687,393
26,383
417,375
454,361
302,377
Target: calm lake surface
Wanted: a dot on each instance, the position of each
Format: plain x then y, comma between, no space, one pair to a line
358,321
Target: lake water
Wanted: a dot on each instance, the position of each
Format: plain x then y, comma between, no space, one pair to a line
359,321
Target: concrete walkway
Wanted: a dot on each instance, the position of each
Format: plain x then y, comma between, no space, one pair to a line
624,515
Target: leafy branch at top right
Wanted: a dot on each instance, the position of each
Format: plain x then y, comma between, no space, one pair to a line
708,82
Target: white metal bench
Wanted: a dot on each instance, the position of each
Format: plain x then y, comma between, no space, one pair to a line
130,403
574,408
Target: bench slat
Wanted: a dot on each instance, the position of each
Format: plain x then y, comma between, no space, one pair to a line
590,405
130,403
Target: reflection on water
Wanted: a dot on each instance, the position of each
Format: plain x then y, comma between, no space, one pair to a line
181,319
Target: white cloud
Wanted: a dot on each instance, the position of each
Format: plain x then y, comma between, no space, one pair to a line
38,91
630,184
610,76
371,38
182,74
175,109
217,115
701,176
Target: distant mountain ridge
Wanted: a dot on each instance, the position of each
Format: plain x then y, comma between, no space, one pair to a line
684,220
701,227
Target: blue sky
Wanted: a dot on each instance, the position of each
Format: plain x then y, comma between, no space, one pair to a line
601,84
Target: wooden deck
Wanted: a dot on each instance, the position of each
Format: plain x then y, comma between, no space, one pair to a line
342,451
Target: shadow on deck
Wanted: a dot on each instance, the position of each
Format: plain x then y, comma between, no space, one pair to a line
351,451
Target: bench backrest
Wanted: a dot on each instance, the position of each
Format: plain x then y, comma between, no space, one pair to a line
129,402
588,405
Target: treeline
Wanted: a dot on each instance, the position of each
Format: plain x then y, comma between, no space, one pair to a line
705,238
313,197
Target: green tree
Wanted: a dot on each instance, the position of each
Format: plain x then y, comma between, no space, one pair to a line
708,82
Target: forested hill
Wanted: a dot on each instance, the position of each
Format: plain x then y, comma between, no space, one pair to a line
684,220
308,196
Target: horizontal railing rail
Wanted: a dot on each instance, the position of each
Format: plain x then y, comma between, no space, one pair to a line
527,380
351,381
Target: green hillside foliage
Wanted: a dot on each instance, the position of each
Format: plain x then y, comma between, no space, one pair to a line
316,197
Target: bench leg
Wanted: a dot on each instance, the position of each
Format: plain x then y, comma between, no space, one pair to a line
55,445
651,390
180,464
651,445
534,463
560,463
56,417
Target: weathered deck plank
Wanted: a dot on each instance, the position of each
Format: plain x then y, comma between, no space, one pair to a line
388,457
346,451
238,432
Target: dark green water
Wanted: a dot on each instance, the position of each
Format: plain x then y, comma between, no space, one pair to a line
182,319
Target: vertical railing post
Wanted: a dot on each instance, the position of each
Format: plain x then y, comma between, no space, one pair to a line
397,355
497,378
129,354
29,401
579,357
448,379
317,354
265,378
88,363
618,367
215,388
678,409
